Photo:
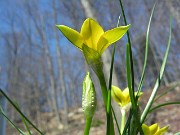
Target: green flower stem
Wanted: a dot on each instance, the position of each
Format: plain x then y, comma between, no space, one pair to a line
123,119
110,125
103,88
93,59
87,126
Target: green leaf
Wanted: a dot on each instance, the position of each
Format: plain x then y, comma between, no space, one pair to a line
164,104
19,111
109,107
166,92
158,81
117,125
130,50
146,52
24,121
12,124
131,76
128,70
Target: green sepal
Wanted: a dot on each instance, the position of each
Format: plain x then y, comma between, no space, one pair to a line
93,59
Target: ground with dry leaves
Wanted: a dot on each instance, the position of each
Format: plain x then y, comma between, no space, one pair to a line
168,115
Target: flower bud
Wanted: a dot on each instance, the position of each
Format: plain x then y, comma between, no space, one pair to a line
88,97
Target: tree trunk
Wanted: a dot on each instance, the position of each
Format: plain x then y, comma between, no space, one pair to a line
51,74
174,8
61,84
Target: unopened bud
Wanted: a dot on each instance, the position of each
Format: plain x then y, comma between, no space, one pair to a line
88,97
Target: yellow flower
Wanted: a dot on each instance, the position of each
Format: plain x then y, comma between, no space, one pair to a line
122,97
154,129
93,35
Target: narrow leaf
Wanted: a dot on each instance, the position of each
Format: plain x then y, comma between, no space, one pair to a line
128,70
13,125
146,52
158,81
164,104
166,92
19,111
24,121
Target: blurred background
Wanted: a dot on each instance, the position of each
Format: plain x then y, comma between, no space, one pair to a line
43,72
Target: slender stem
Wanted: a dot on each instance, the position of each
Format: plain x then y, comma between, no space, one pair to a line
110,125
123,119
103,88
87,126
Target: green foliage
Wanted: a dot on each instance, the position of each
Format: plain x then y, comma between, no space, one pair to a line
158,81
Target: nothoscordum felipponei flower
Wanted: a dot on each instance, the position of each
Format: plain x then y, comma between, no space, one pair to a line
122,97
93,35
154,129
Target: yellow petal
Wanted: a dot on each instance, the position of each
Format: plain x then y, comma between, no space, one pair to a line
91,31
117,95
72,35
154,128
162,131
126,92
126,96
145,129
110,37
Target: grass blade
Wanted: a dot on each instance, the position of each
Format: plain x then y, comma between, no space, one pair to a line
24,121
19,111
129,42
158,81
109,88
117,125
131,78
128,70
146,52
164,104
13,125
165,92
